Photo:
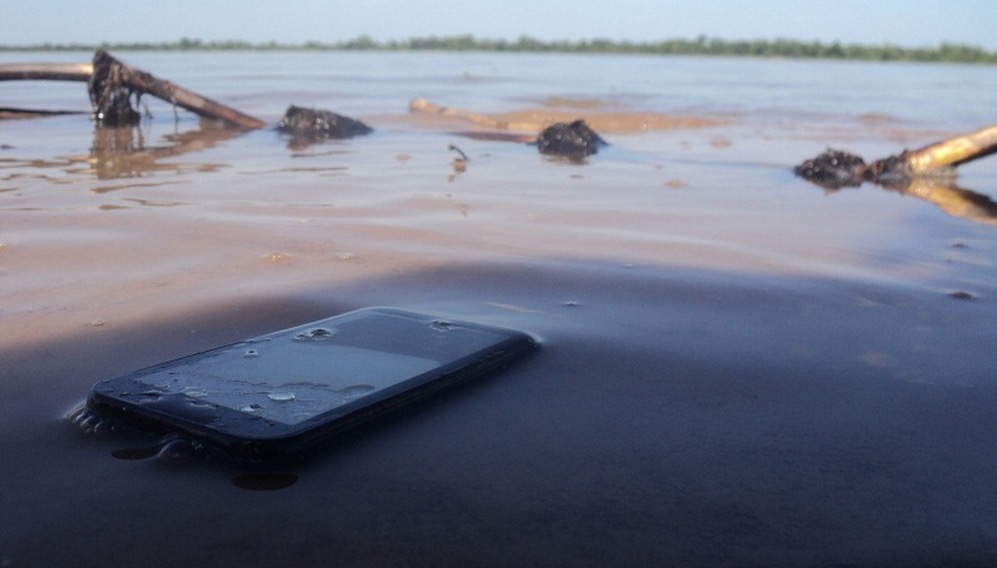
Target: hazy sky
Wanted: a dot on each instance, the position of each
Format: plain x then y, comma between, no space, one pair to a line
909,23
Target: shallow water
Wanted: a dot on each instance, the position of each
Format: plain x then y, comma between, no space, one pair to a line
737,367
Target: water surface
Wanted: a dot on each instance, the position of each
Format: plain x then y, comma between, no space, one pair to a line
738,368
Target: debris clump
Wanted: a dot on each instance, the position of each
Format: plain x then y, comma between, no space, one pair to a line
835,169
575,140
312,125
109,95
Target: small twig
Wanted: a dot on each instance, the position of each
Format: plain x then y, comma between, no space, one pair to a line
463,156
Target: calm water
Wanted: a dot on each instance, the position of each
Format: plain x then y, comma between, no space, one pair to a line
738,367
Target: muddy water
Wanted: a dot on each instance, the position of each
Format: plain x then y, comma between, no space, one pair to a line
737,367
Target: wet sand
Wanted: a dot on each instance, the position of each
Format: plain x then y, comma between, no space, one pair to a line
737,369
672,416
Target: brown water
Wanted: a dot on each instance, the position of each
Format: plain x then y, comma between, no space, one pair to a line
737,368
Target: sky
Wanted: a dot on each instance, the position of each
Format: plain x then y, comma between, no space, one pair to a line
907,23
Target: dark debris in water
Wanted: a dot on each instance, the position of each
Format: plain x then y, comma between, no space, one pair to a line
962,295
313,125
834,169
111,99
574,140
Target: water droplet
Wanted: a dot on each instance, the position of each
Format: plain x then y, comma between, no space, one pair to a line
176,452
281,396
250,353
149,396
97,323
252,408
103,427
89,423
442,325
317,334
355,390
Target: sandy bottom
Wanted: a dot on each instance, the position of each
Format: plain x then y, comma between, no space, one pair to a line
737,369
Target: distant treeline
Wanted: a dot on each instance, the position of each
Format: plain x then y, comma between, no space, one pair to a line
702,45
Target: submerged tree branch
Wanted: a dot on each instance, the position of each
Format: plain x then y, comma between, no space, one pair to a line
111,79
835,169
111,84
46,72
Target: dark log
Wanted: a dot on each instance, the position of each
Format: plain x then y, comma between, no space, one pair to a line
113,83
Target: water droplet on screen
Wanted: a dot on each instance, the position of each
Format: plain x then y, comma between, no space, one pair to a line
355,390
281,396
442,325
252,408
317,334
250,353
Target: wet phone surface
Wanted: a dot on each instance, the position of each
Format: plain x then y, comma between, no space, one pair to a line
280,394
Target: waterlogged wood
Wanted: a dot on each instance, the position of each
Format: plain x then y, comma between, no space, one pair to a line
107,67
424,106
81,72
835,169
125,77
954,151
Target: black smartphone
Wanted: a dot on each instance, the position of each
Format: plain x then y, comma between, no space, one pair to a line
280,394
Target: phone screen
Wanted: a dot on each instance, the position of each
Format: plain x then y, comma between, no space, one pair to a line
305,376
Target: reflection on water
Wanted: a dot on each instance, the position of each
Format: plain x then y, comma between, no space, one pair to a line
122,152
954,200
942,191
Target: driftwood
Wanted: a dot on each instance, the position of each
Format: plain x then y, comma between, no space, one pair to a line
424,106
80,72
46,71
927,174
574,139
112,84
835,169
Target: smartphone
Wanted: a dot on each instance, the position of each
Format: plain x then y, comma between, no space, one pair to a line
281,394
